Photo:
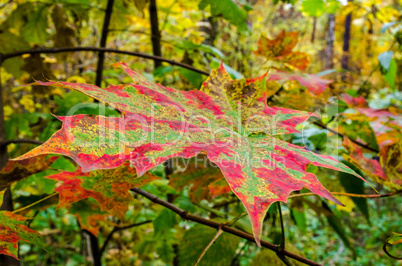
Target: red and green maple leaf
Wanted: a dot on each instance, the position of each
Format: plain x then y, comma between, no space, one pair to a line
13,230
109,187
387,127
280,49
386,123
386,171
227,119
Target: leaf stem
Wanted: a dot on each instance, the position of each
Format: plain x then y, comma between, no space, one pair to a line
220,231
37,202
11,141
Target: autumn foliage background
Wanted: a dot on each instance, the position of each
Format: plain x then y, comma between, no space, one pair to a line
341,60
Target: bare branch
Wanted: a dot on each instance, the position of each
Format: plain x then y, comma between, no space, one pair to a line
343,136
99,49
225,228
11,141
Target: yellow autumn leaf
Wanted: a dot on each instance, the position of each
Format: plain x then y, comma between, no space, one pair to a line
28,103
76,79
7,111
347,201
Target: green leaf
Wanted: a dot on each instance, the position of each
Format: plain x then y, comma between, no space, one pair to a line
385,59
190,46
35,31
185,204
162,70
165,251
332,6
197,238
300,219
319,140
391,73
230,11
10,42
313,8
195,78
165,221
356,186
337,225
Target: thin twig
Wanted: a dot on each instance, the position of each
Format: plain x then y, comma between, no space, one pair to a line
228,223
343,136
384,247
185,215
11,141
220,231
351,195
36,202
99,49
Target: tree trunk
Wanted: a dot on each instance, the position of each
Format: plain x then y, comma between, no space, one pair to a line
92,240
155,33
93,248
7,204
314,29
329,63
105,31
346,44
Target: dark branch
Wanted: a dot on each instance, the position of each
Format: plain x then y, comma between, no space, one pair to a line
11,141
283,240
98,49
343,136
93,248
105,31
155,33
225,228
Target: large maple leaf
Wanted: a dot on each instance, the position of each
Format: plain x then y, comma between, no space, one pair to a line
228,119
12,230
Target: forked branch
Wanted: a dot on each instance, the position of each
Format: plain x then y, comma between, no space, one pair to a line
187,216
